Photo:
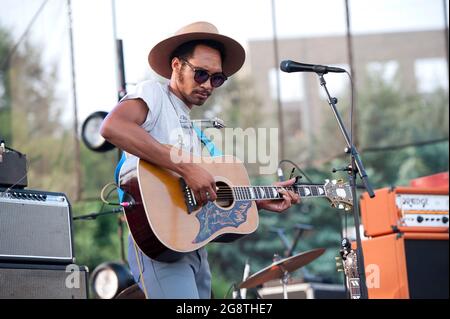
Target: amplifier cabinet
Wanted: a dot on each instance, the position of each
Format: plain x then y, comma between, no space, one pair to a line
405,209
35,226
36,281
407,266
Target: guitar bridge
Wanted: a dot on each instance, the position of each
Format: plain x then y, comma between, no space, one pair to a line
189,197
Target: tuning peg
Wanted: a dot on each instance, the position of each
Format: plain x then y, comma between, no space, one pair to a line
342,169
339,264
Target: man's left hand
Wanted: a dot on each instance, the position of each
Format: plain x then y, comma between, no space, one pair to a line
277,205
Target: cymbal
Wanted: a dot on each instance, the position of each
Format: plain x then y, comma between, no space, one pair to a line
276,270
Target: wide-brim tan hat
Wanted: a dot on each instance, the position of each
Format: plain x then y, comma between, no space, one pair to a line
159,56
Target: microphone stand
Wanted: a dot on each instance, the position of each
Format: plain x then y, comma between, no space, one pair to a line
356,167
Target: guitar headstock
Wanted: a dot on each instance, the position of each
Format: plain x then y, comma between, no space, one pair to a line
350,268
349,257
339,194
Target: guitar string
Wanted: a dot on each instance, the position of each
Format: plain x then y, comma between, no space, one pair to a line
228,196
226,193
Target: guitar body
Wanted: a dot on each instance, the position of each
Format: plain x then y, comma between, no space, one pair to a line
160,222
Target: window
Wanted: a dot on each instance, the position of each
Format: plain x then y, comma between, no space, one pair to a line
431,74
291,86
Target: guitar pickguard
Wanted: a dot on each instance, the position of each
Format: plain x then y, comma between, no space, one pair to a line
213,218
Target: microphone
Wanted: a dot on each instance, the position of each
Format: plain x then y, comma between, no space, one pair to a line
292,66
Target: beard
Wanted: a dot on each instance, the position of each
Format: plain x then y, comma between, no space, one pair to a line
193,97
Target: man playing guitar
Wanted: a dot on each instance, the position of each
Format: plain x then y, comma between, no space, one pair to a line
151,121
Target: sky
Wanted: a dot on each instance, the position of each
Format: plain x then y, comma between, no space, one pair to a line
142,23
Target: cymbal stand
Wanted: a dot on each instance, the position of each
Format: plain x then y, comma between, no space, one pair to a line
284,281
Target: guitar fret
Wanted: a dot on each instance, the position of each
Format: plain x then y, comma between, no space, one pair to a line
252,193
301,191
275,193
270,192
321,190
307,191
247,194
264,192
314,190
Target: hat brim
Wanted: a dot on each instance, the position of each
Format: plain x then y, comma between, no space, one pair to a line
159,56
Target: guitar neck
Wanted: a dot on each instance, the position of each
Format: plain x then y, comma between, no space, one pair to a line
243,193
354,288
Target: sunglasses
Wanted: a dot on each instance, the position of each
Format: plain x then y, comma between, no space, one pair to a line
201,76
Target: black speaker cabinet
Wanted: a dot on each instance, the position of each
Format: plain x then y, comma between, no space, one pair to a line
32,281
35,226
13,170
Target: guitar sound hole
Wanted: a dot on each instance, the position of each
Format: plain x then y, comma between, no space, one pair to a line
224,195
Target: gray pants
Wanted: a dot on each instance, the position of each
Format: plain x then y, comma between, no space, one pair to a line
187,278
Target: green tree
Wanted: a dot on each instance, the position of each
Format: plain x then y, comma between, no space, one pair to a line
5,100
30,119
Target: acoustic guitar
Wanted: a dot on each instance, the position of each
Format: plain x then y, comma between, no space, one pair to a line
165,220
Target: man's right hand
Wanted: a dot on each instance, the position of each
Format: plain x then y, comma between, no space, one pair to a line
201,182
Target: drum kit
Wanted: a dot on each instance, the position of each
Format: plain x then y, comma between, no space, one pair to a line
281,269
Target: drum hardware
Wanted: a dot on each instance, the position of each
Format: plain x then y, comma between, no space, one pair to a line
281,269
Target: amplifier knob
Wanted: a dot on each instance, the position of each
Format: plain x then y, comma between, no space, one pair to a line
445,220
419,219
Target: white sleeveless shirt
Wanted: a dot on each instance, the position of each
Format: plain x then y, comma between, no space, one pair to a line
167,119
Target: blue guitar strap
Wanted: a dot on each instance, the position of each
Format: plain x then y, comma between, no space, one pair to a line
212,149
116,176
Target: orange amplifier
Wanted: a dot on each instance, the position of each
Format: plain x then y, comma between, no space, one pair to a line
407,266
405,209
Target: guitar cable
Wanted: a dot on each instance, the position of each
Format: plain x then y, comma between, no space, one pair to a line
280,172
124,204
